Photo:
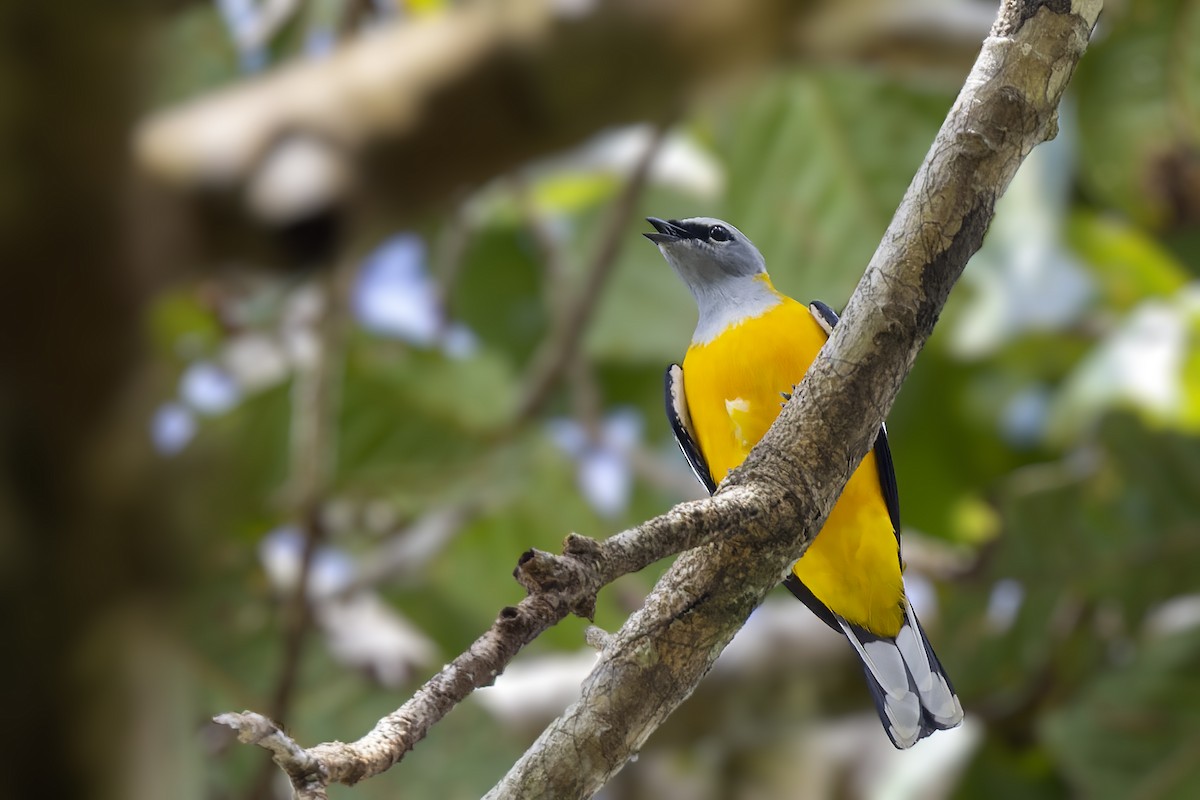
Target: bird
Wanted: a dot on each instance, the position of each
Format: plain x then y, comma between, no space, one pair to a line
751,346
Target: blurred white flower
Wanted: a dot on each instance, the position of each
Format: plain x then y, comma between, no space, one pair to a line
679,163
1173,616
569,435
298,325
255,361
921,595
847,757
252,23
605,479
1143,360
574,8
365,633
1024,417
299,176
208,388
172,427
459,341
1024,277
320,42
931,768
281,553
534,690
394,296
304,306
1140,365
360,629
603,473
1003,604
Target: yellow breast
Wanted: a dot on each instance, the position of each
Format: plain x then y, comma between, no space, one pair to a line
734,387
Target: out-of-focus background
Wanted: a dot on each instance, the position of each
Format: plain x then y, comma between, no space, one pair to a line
317,313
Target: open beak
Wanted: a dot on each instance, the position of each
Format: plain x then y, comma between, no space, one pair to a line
668,231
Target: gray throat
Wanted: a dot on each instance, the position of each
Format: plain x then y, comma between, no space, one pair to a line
728,302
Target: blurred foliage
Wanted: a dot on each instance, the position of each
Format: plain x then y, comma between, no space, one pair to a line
1061,461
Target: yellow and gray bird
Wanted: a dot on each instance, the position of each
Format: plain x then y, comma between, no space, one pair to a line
751,346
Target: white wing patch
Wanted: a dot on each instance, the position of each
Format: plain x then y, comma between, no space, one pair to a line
678,402
679,408
821,320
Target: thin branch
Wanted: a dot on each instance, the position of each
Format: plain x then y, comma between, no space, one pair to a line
449,256
558,349
314,414
305,771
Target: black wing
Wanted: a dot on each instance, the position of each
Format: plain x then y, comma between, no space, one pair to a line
827,318
681,424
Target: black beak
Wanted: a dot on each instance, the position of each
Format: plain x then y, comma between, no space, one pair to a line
668,231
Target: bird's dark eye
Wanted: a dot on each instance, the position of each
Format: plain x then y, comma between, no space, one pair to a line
719,233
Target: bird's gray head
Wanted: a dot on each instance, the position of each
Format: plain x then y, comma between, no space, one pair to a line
706,251
722,268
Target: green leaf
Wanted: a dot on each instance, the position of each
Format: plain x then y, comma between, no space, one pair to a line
812,182
646,315
194,53
395,437
1001,772
1128,265
1133,732
1116,530
1139,103
573,190
499,292
179,317
477,392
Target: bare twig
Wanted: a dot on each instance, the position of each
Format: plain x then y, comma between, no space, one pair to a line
558,349
448,256
306,772
314,413
313,427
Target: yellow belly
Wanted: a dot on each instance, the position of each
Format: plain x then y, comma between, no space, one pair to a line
733,386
